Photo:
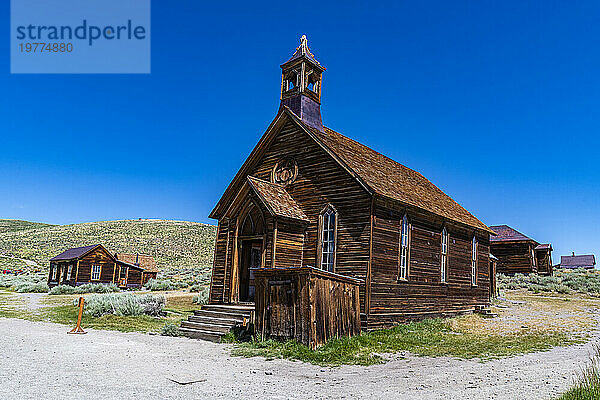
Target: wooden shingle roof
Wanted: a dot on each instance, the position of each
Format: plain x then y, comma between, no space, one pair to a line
143,261
277,200
374,171
582,261
391,179
507,234
74,253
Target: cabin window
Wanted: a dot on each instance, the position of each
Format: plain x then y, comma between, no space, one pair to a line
328,224
96,272
534,261
69,271
404,248
54,269
474,262
444,257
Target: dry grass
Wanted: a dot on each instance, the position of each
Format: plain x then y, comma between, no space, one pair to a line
526,312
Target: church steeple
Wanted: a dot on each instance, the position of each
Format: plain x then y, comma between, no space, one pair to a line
301,80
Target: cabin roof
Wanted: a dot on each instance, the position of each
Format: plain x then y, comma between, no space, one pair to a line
277,200
544,246
74,253
507,234
143,261
584,260
391,179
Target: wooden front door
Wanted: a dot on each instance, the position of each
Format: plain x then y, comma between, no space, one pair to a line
251,256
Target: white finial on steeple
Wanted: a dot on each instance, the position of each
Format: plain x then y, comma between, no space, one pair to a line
304,43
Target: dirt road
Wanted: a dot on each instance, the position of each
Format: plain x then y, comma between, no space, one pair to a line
39,360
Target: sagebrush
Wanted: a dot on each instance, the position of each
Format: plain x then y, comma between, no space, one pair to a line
563,281
123,304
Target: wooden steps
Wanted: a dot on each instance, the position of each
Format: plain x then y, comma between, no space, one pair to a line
213,321
485,311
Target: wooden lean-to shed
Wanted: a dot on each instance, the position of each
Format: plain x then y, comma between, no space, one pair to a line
312,204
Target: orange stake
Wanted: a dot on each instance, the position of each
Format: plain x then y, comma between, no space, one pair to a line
77,329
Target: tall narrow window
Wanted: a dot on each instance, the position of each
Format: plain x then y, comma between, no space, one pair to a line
328,239
54,269
444,257
404,248
69,271
96,272
474,262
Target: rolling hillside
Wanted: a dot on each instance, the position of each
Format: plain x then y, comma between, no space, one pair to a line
14,225
176,245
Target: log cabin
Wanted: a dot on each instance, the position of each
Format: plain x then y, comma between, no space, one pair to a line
95,264
308,197
518,253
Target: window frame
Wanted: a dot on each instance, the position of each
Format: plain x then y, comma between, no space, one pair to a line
69,272
328,210
404,249
99,272
444,245
54,272
474,244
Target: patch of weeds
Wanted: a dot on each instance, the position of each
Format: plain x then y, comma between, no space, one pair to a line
588,386
170,329
431,337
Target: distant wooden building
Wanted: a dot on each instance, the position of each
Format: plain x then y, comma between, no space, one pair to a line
586,261
518,253
95,264
310,197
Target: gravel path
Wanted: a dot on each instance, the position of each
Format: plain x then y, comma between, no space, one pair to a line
39,360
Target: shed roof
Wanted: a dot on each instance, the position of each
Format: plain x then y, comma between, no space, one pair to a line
544,246
507,234
74,253
143,261
277,200
583,261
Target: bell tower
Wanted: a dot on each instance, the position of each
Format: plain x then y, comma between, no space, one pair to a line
301,80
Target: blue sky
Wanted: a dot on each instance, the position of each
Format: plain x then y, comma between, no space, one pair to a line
495,102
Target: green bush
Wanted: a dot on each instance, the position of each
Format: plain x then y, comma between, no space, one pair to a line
164,284
202,297
123,304
563,281
62,289
22,282
28,287
97,288
170,330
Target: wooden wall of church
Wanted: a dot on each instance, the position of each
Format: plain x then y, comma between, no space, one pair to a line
321,181
423,294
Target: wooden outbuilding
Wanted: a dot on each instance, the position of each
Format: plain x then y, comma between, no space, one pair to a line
308,197
95,264
518,253
585,261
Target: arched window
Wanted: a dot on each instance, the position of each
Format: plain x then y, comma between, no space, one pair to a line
404,249
474,261
328,238
444,256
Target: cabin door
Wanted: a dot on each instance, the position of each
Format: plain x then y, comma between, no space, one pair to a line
251,256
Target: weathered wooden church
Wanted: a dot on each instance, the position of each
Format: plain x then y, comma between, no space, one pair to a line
308,196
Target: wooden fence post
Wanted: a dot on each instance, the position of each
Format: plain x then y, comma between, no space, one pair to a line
77,329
